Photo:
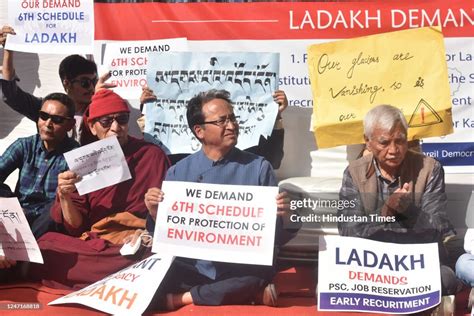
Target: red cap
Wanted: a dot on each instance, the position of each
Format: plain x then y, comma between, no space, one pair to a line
105,102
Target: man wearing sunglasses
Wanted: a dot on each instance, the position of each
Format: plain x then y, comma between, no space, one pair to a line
211,118
94,258
40,159
78,77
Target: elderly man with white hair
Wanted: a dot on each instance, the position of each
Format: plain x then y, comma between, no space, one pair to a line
391,180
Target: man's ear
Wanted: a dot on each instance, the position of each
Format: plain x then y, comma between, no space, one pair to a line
92,128
66,85
199,132
71,123
367,143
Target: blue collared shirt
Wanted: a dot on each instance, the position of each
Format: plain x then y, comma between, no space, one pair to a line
237,167
38,170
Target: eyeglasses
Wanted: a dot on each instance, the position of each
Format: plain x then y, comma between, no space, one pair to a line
223,121
56,119
85,82
106,121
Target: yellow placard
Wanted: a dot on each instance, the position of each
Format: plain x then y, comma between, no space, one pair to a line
406,69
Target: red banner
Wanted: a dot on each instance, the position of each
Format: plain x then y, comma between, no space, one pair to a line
282,20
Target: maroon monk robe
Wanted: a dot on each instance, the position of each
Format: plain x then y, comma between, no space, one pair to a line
74,263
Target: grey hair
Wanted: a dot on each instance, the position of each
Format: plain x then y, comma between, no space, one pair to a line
385,117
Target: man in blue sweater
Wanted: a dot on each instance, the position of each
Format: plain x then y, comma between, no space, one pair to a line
211,117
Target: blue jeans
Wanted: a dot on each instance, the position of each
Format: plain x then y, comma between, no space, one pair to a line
465,269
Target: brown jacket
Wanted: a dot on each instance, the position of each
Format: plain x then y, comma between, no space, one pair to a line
415,169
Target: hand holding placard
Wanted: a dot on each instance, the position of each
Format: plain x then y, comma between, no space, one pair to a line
228,223
99,165
152,198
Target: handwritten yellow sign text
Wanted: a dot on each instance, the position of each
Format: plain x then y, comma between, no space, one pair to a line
406,69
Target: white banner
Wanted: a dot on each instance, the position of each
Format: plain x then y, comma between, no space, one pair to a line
227,223
53,27
456,151
127,62
100,164
251,79
356,274
16,239
127,292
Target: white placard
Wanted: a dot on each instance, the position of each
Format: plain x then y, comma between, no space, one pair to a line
16,239
127,292
127,62
227,223
52,27
176,77
362,275
100,164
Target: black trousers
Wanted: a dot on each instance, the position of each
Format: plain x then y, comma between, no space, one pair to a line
234,283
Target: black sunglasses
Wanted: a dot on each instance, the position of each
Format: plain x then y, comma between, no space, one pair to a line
56,119
85,82
106,121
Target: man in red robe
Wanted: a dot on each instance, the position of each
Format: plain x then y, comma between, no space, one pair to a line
72,262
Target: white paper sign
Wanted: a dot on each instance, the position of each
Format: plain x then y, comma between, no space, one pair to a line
175,77
227,223
16,239
100,164
362,275
52,27
127,292
127,61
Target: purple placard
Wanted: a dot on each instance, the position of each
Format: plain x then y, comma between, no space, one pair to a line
377,303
